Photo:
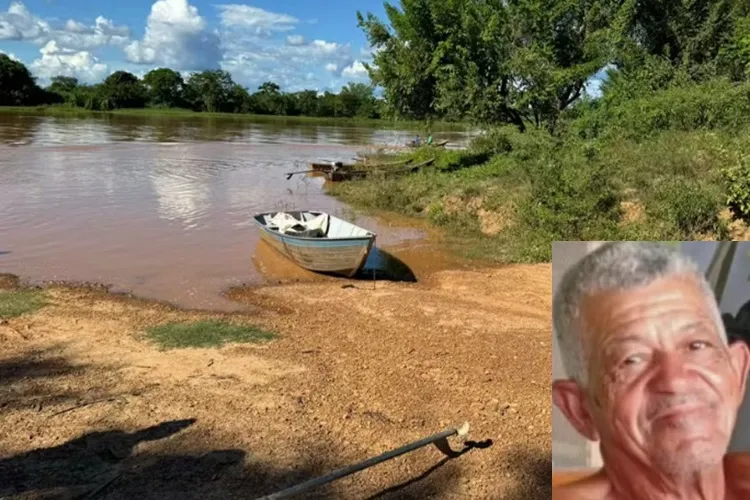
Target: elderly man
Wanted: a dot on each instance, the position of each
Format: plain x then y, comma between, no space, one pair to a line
653,377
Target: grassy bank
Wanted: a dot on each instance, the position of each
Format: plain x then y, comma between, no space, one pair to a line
57,110
669,166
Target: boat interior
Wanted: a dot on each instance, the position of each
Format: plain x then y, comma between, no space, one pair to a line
311,224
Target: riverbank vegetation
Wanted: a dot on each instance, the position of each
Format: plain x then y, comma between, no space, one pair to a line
661,154
164,89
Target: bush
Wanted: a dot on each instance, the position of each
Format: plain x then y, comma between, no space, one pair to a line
686,206
495,141
572,198
737,181
711,105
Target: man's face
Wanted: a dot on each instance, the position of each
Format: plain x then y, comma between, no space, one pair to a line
663,387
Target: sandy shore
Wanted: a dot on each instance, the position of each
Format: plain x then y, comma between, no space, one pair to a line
88,405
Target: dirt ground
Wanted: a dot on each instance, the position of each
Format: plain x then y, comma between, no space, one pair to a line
89,407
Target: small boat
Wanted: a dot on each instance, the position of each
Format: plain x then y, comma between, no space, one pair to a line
349,175
364,161
317,241
416,144
329,166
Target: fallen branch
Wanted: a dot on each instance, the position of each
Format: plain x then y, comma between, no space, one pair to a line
82,405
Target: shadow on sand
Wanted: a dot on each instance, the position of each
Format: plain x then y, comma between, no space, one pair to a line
382,265
103,465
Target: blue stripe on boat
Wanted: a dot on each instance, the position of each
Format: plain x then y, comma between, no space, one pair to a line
318,242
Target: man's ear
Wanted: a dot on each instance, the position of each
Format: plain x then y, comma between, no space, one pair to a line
739,353
571,400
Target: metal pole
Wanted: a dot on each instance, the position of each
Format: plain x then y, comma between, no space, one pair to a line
346,471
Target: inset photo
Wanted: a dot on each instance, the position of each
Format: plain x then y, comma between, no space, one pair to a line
650,362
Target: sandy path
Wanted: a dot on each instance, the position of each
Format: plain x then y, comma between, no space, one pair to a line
356,370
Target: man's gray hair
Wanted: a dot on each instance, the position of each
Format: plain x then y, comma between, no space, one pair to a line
616,266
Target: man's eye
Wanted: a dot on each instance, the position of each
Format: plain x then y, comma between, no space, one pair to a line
697,345
633,360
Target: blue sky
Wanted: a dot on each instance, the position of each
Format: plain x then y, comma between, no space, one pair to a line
298,44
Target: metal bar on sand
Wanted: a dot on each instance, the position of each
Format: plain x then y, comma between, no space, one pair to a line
439,439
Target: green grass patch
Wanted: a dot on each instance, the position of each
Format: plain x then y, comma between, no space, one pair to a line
19,302
206,334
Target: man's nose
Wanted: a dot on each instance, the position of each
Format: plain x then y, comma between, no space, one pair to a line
672,374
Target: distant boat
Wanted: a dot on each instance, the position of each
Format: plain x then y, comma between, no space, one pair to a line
350,175
416,144
329,166
382,164
317,241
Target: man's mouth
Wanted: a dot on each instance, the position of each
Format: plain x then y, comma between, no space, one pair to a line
681,411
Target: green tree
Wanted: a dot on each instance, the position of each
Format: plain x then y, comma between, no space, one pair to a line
239,100
210,90
270,88
164,87
270,101
63,84
329,105
120,90
63,89
307,102
488,61
734,56
356,99
17,86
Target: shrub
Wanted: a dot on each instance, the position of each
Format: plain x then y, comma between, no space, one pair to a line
571,199
711,105
737,181
686,205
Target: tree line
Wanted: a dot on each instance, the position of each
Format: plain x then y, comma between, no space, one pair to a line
523,62
211,91
526,62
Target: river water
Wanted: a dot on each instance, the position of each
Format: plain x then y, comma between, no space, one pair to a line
162,207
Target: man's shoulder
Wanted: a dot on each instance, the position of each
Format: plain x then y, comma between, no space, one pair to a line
737,471
587,486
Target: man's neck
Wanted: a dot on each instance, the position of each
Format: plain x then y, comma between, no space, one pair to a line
631,479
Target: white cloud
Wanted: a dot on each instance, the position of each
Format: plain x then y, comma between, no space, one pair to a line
332,67
325,47
67,62
295,40
78,36
259,21
75,27
108,28
252,57
355,70
176,36
20,24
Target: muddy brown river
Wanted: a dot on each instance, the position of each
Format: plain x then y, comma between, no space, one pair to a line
162,207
